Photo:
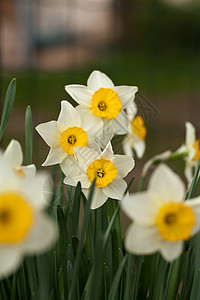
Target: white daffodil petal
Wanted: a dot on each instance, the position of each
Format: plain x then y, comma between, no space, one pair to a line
85,156
68,164
94,145
104,137
42,236
194,204
80,93
190,135
99,198
166,185
29,170
126,94
141,207
92,124
115,189
139,146
55,156
188,173
50,133
120,124
127,146
13,154
69,116
38,190
74,179
107,152
124,164
131,111
7,172
10,259
98,80
171,250
142,240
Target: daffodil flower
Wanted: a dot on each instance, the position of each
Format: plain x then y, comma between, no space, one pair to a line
63,135
192,147
14,157
101,104
135,139
108,169
24,228
162,219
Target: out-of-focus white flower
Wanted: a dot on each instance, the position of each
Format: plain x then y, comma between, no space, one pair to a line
24,228
14,157
135,139
192,147
162,219
101,104
108,169
63,135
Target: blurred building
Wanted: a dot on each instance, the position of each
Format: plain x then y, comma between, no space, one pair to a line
50,34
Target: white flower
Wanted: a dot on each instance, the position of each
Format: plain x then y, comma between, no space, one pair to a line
162,219
101,104
107,168
63,135
24,228
192,147
14,157
135,139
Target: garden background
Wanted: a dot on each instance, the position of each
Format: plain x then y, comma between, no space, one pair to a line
152,44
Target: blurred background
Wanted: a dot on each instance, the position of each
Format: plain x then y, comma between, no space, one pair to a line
153,44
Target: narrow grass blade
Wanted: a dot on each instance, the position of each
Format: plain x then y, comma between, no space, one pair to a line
194,181
43,276
76,209
195,285
129,277
173,280
8,105
28,135
115,284
79,250
63,246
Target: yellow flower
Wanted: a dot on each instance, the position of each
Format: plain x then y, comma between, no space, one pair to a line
162,219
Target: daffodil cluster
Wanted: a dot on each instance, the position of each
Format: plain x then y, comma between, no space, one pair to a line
24,194
80,139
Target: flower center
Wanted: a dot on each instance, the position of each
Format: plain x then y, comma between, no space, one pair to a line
100,173
101,106
103,170
175,221
197,148
106,103
16,218
73,137
138,127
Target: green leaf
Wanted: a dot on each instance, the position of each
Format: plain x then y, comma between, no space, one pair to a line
28,135
63,246
76,209
72,292
8,105
196,278
129,277
115,284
